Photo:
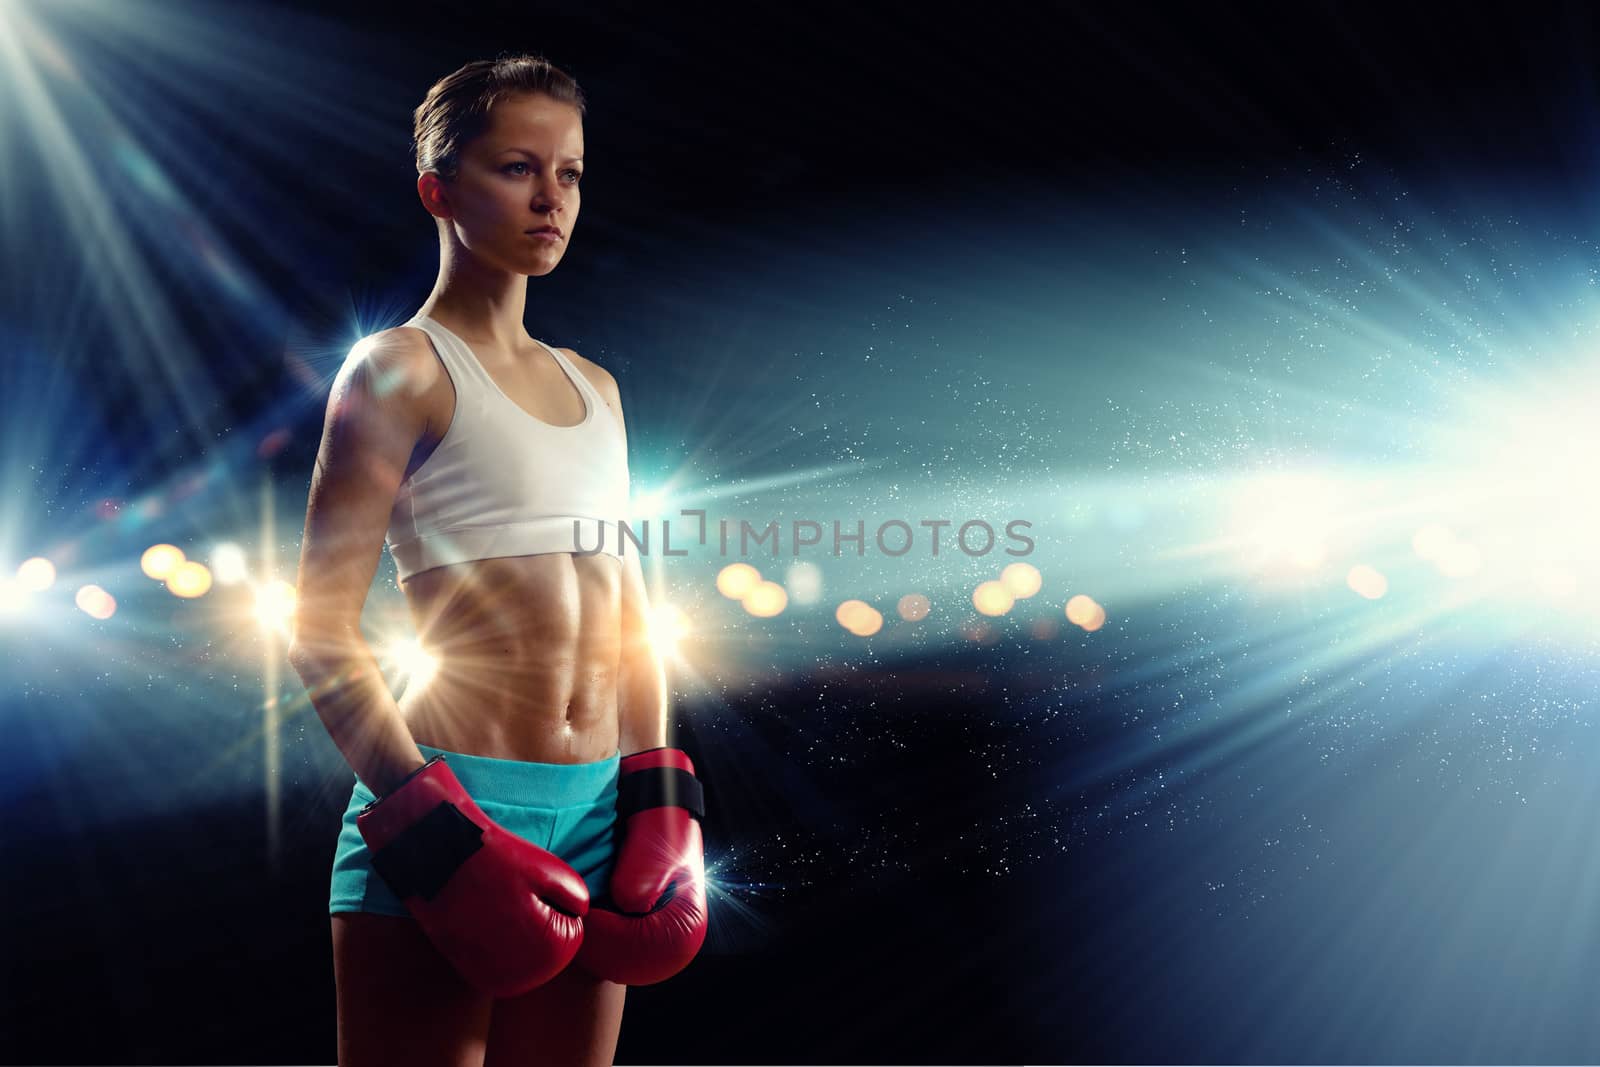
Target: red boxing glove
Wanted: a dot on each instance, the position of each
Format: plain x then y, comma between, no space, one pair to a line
506,913
653,919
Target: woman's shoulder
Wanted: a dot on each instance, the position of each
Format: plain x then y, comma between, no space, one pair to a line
598,376
398,342
403,350
400,364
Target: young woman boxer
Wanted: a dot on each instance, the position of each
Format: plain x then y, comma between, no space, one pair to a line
520,844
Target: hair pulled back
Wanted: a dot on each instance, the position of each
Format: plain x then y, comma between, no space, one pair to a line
456,109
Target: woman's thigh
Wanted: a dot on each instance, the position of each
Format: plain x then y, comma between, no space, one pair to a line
399,1000
573,1019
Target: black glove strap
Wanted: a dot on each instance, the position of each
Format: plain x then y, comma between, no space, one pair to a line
421,860
660,787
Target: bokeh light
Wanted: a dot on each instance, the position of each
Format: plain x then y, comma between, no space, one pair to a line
95,602
993,598
228,564
766,600
851,612
1083,609
804,582
736,580
914,607
161,560
36,575
859,617
189,579
1022,579
1367,580
868,624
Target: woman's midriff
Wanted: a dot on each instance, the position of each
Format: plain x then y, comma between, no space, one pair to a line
528,654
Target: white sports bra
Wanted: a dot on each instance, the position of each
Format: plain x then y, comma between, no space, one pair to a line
503,483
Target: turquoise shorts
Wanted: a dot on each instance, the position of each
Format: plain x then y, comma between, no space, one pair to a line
569,809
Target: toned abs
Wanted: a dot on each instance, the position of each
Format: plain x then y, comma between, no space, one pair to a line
528,651
528,647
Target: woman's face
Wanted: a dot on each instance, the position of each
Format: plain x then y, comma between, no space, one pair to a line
519,176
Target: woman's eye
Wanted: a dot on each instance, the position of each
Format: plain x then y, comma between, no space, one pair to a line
576,174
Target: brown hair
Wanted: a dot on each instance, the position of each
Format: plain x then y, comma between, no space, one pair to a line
456,109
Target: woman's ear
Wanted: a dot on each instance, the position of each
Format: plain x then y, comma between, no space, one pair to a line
431,190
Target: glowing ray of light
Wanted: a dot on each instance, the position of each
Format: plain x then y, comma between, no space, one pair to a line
92,218
675,496
273,652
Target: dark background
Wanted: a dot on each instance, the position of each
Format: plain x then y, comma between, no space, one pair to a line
921,915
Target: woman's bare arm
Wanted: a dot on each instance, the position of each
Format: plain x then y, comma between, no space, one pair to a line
642,688
374,420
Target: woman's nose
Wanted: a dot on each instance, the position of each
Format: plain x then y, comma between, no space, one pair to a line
549,193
